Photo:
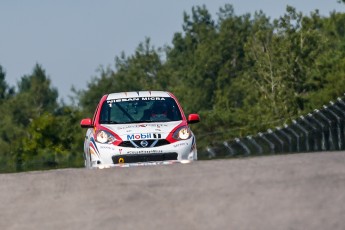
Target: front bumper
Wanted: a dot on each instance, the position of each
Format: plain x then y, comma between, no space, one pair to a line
109,154
138,164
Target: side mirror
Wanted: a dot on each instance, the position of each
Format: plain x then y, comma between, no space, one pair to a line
193,118
86,123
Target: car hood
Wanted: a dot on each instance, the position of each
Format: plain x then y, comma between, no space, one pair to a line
141,131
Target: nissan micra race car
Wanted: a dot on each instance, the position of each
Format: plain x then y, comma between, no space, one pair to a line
138,128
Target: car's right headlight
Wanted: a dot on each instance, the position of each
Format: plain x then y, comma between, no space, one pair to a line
103,137
182,133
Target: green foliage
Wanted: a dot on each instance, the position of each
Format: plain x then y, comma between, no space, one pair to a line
52,141
5,90
194,63
35,132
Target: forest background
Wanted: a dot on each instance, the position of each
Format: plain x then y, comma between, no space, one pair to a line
241,73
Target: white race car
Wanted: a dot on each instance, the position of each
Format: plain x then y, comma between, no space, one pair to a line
138,128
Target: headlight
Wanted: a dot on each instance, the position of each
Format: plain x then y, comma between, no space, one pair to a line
182,133
104,137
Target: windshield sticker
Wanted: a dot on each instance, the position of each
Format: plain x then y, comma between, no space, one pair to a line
153,98
136,99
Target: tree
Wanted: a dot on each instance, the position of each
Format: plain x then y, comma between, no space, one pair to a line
5,90
35,95
192,71
331,62
53,140
284,69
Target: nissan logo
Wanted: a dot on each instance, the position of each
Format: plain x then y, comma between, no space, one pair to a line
144,144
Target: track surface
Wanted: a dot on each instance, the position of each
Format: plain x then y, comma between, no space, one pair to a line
298,191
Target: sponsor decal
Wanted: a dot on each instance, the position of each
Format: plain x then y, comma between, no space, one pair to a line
139,136
127,165
125,127
120,150
106,147
157,135
144,151
180,144
142,126
143,136
136,99
123,99
153,98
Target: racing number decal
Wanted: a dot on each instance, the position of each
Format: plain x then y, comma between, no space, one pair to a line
121,160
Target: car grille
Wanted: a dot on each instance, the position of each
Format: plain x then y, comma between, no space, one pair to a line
135,158
150,143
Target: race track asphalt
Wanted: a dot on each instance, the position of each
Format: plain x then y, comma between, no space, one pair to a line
295,191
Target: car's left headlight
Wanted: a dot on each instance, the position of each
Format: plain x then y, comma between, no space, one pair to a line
182,133
104,137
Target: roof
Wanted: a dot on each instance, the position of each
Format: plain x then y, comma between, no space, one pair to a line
138,94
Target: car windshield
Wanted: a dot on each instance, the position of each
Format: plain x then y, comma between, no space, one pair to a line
139,109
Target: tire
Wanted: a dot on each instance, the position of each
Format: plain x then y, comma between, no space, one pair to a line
87,161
